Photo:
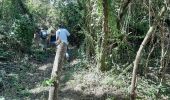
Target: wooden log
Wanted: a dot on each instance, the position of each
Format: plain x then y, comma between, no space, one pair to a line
56,71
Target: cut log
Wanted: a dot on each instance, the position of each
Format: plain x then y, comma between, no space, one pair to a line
56,71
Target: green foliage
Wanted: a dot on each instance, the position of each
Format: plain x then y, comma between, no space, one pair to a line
6,55
44,13
150,91
39,55
6,6
48,82
112,19
23,29
84,20
72,15
164,89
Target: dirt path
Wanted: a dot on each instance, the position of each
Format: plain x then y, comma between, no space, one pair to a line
77,83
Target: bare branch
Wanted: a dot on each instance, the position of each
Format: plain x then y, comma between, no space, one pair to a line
139,52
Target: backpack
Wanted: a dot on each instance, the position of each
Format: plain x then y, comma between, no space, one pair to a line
43,34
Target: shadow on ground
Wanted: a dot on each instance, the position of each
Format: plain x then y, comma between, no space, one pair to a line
25,82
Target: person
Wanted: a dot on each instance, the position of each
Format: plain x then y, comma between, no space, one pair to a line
62,36
43,35
37,37
52,38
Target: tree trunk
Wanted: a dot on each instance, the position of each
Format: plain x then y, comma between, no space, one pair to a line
122,12
137,59
138,55
2,8
56,71
103,65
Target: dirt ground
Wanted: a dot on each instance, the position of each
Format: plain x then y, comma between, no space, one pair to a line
77,83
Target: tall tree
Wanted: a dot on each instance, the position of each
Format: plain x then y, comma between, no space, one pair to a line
103,65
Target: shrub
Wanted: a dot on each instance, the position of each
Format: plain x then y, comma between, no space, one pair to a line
23,29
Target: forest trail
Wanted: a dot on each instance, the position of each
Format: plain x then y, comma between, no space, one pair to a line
77,83
67,91
71,88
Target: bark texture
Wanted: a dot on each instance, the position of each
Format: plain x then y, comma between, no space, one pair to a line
56,71
103,65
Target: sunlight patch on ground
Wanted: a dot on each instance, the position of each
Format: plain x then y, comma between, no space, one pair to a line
89,82
74,62
30,74
13,75
38,90
2,98
63,98
44,67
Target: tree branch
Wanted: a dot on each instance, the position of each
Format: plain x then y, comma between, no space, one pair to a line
122,12
138,55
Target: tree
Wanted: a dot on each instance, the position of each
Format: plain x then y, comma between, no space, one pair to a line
103,65
139,52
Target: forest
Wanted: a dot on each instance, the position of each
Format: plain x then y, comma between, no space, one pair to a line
110,50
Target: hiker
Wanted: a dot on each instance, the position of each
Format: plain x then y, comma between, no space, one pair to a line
61,36
43,35
37,37
52,39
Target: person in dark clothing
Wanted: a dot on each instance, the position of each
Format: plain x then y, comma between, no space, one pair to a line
52,38
37,37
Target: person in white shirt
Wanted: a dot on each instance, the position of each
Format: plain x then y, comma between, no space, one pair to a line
62,36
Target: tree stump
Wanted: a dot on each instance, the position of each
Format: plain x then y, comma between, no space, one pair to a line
56,71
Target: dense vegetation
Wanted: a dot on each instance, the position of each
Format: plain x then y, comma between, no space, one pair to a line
120,45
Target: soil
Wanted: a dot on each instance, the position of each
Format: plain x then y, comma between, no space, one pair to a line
27,83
